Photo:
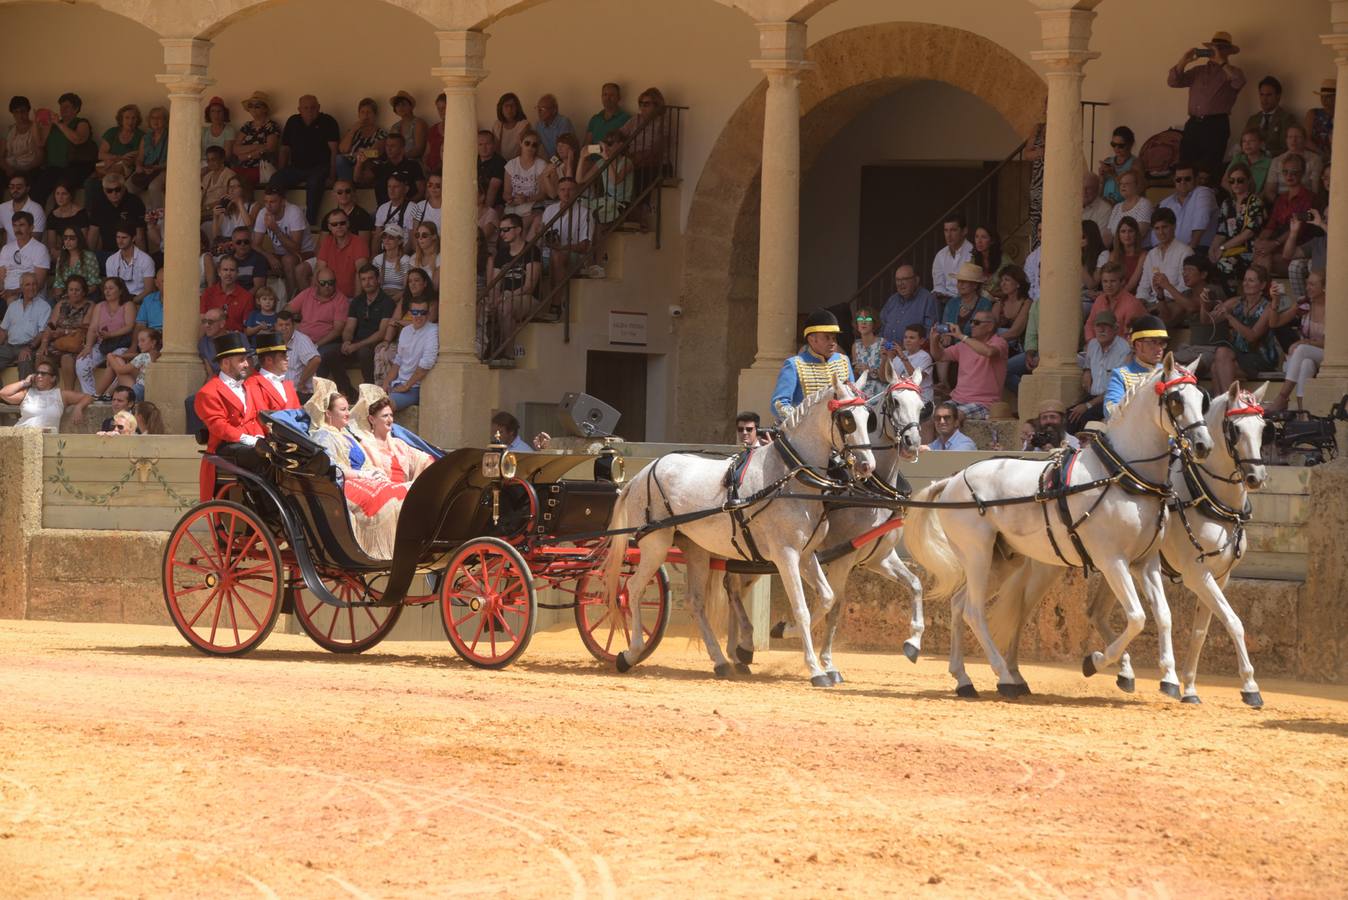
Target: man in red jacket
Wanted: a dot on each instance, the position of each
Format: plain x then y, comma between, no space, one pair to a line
268,388
222,405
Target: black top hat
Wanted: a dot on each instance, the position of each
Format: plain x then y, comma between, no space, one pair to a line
270,342
230,343
823,321
1147,327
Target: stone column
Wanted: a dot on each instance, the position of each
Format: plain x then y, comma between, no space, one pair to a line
177,374
782,45
1066,35
460,392
1331,383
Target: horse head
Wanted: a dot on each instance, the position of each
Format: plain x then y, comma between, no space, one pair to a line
849,420
1182,407
902,411
1239,415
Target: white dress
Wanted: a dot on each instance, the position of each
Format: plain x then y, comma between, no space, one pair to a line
41,409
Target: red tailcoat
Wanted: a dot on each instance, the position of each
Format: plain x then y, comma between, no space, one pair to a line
262,396
226,421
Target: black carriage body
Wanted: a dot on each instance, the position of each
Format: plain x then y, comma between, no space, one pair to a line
574,507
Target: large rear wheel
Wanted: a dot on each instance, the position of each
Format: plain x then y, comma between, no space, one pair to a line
488,604
222,578
600,629
353,629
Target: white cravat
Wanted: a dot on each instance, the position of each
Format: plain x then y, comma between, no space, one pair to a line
277,381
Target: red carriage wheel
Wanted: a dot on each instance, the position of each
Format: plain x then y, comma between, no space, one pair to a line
487,603
352,629
603,633
222,578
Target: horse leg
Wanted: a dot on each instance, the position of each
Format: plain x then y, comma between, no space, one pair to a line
1189,677
976,573
1099,613
964,686
837,571
701,581
1120,580
654,547
789,566
1153,585
1013,590
892,566
1215,601
739,645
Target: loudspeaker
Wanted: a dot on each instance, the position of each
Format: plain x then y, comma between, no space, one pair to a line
587,416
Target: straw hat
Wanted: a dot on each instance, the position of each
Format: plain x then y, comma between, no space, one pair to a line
1053,406
1328,86
402,95
971,271
257,98
1223,39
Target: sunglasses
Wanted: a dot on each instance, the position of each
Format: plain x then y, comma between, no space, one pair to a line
113,190
865,319
1239,181
335,222
1118,146
1182,179
530,143
505,228
46,372
342,191
941,418
325,283
69,237
744,429
418,312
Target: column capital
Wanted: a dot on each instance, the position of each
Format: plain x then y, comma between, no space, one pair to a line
1338,42
781,47
463,55
186,61
1066,34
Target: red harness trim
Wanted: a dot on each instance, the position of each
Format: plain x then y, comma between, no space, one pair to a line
863,539
904,386
1251,407
835,405
1184,378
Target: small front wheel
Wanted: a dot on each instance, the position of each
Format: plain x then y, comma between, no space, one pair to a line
354,629
488,604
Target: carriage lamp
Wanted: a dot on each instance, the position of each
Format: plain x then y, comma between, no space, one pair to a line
609,466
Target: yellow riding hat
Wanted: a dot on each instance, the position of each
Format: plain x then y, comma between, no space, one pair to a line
821,320
230,343
1148,327
270,342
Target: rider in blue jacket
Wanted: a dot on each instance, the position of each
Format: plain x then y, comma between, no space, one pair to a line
813,368
1149,340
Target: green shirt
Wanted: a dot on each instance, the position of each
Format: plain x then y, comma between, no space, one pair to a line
599,127
59,148
1258,168
1031,341
116,146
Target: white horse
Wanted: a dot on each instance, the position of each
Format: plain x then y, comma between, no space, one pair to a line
1204,538
785,532
871,533
1117,523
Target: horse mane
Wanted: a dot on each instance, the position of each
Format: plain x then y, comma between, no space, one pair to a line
797,413
1149,382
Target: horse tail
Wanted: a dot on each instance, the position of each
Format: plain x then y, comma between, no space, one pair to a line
617,554
927,542
1004,617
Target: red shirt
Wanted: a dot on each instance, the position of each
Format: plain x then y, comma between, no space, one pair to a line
237,304
1125,308
318,317
1284,208
342,260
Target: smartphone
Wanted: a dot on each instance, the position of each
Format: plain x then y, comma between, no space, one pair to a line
44,116
996,434
942,328
1305,216
592,150
1203,53
556,160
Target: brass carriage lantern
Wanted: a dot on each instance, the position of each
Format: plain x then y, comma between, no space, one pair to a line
497,461
609,466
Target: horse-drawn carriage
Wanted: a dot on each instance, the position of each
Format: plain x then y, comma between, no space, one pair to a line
481,531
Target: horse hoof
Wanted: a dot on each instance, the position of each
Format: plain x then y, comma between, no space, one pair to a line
622,663
1088,665
722,670
742,669
835,676
1191,699
821,681
1170,689
1010,691
910,651
967,692
1252,699
1126,684
778,630
744,656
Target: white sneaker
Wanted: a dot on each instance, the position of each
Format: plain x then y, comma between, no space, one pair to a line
595,271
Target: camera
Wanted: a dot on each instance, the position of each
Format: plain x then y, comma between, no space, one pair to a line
675,311
1046,437
1306,216
1203,53
942,328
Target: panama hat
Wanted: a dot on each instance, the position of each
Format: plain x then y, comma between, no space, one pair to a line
1328,86
402,95
971,271
1223,39
257,98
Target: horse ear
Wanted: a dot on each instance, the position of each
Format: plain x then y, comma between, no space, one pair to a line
1168,364
837,385
916,377
1263,389
861,382
1233,392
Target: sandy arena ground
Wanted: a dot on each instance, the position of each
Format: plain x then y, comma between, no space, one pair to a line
132,766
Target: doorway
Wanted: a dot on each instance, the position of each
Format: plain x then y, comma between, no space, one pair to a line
619,379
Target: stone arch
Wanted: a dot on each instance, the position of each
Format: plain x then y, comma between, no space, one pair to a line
853,69
480,14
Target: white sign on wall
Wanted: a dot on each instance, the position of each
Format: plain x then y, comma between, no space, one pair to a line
627,329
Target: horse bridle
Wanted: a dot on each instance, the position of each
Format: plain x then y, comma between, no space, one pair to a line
888,404
1168,391
1250,408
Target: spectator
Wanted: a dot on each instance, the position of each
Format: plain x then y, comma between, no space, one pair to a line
151,168
429,210
1133,205
130,372
321,310
1013,309
368,317
282,236
131,264
1252,155
235,209
912,358
69,323
1034,155
515,280
426,252
1164,264
868,353
391,262
1032,265
566,162
399,210
505,429
118,148
253,268
110,326
947,419
148,419
551,125
113,207
217,132
950,258
433,161
525,187
1272,121
1094,208
615,184
229,295
1180,308
69,146
123,400
910,304
214,183
1105,352
418,291
22,147
1319,122
1249,316
746,429
73,258
981,356
610,118
987,252
1240,219
1050,428
1213,88
258,141
1305,355
21,201
1297,201
1115,299
490,170
212,327
418,346
263,317
968,298
66,215
570,227
1113,166
1303,255
361,221
42,402
150,313
1093,259
308,154
24,322
648,142
302,357
510,126
1274,186
341,251
22,255
1128,252
1195,209
412,128
363,143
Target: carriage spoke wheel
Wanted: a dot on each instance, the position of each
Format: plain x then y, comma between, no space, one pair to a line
222,578
352,629
487,603
604,634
